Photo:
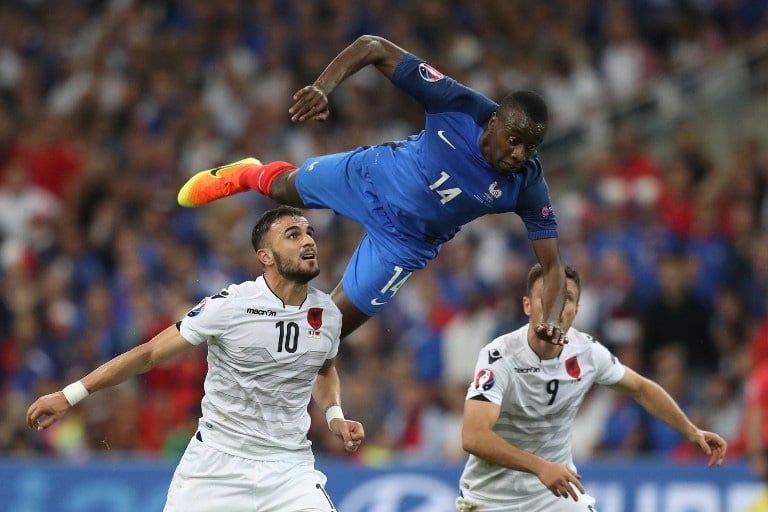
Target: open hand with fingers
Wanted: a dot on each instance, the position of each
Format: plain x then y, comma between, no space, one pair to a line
52,406
711,444
310,102
551,333
560,480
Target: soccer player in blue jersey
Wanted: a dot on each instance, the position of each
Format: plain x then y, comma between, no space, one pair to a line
473,158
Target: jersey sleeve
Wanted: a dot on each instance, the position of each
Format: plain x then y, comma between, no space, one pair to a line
208,320
607,366
439,93
336,335
490,380
534,205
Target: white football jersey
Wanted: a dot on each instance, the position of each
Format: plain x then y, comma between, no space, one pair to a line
263,359
539,400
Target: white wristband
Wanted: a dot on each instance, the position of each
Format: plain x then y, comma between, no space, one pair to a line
332,412
75,392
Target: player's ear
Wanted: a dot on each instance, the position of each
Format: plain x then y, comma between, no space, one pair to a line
265,257
492,122
526,305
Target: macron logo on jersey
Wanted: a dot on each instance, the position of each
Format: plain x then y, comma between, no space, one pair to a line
428,73
256,311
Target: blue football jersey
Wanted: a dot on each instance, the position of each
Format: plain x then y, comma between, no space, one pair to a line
434,182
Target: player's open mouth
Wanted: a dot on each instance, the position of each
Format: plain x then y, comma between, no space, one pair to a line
308,256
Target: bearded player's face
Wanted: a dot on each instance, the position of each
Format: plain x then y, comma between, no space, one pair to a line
293,249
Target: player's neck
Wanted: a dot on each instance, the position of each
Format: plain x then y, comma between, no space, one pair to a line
290,292
483,143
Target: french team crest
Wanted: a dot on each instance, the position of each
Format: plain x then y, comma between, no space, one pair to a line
429,73
572,367
484,380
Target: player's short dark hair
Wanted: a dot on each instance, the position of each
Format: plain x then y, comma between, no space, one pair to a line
267,219
537,273
529,102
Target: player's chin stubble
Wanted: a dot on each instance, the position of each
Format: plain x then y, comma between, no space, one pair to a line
294,271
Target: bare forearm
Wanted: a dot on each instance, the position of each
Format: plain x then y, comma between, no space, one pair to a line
364,51
326,391
115,371
491,447
553,294
658,403
138,360
553,272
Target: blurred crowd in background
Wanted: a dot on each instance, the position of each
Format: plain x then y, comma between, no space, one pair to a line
107,107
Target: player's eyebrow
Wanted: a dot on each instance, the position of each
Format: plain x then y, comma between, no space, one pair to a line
296,227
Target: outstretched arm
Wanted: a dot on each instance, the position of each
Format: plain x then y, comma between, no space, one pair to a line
311,102
657,402
138,360
553,293
326,393
479,439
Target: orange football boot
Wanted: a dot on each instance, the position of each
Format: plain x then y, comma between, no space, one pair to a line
212,184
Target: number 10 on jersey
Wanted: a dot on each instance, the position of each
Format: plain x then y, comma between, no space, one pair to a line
289,336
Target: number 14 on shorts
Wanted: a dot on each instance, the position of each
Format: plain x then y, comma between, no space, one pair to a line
396,282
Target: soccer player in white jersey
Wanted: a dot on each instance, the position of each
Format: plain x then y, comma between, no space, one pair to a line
271,345
521,406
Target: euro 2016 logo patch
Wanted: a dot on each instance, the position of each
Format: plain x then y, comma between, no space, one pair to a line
197,309
315,320
484,380
429,73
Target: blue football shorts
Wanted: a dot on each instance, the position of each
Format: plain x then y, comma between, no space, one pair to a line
385,259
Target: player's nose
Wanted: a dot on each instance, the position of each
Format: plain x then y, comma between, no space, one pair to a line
308,241
518,153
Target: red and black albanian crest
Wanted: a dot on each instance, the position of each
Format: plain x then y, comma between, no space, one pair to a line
572,367
315,318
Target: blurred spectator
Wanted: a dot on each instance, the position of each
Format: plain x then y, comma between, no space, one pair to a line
676,201
729,325
623,432
676,317
721,410
625,62
463,337
756,419
22,204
